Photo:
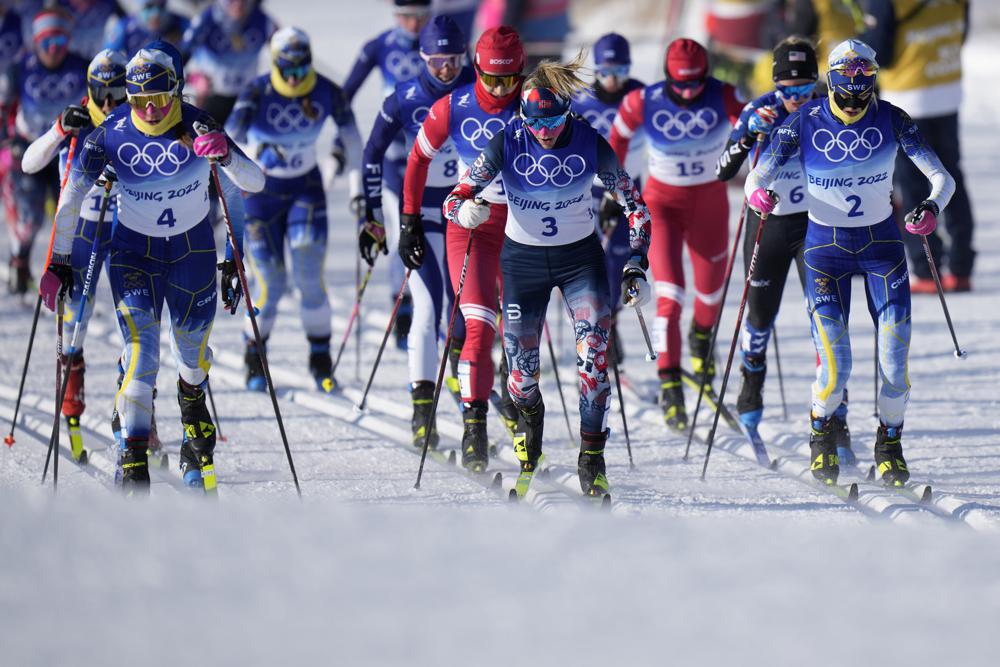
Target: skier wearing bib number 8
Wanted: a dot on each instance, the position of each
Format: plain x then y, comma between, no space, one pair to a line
548,160
278,118
848,145
686,119
162,251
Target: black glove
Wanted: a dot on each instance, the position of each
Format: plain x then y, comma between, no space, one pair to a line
57,281
73,119
230,286
371,240
609,214
339,156
411,240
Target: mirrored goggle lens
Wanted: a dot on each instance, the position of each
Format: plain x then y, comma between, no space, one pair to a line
156,99
796,93
298,72
101,93
53,42
617,71
857,68
550,122
505,80
438,62
149,12
688,85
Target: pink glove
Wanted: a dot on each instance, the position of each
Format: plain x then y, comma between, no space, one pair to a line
56,282
923,219
211,145
761,201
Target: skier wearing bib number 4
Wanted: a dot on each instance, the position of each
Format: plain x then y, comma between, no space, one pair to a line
686,119
162,251
548,160
848,145
278,118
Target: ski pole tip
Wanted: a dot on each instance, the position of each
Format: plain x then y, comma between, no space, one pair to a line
961,354
8,440
650,357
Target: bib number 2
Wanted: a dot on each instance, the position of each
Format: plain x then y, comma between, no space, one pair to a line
855,211
167,218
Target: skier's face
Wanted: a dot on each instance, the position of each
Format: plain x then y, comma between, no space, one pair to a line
499,85
546,130
444,68
153,15
52,49
793,93
150,109
412,22
612,76
237,10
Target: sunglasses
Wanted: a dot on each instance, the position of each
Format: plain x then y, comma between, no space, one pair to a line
796,93
453,61
158,100
856,67
617,71
549,122
493,80
687,85
100,93
53,42
298,72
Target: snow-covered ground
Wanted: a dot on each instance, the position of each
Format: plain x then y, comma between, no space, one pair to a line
751,566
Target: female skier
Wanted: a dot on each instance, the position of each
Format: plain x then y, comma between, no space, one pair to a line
162,251
848,145
548,161
278,117
470,116
421,239
686,119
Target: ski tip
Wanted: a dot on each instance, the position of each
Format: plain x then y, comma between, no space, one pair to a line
512,496
852,493
774,464
84,459
606,502
927,495
452,457
871,474
498,480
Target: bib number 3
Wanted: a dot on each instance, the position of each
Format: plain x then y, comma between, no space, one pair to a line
550,227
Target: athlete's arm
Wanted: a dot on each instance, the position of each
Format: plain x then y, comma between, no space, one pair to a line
784,143
737,147
620,185
627,122
83,173
477,177
362,68
432,136
387,126
923,157
348,138
41,151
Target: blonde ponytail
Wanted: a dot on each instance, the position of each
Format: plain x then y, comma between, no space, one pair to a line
562,79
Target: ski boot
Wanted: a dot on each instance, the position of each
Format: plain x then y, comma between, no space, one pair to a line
475,441
19,276
701,356
590,464
73,405
404,318
889,456
198,445
528,445
672,400
750,403
508,412
256,381
824,462
321,364
422,394
132,471
842,437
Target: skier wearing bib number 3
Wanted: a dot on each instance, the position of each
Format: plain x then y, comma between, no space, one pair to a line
848,144
162,251
548,161
687,119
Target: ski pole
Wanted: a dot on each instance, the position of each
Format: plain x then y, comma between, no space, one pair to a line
555,370
875,377
781,379
215,413
388,330
621,400
959,352
736,337
355,312
722,304
444,356
54,438
9,438
650,354
238,259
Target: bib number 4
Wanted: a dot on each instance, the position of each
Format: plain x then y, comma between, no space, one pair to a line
167,218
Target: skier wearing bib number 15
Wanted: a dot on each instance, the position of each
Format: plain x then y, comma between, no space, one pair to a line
548,161
278,118
687,119
162,251
848,144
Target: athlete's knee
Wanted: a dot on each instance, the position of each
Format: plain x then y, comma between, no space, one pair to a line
480,327
669,299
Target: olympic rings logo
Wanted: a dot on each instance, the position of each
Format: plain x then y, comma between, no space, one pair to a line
51,88
419,114
479,134
684,123
165,160
600,120
847,143
549,169
403,65
288,118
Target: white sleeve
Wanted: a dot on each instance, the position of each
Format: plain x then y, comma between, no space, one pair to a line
42,150
243,172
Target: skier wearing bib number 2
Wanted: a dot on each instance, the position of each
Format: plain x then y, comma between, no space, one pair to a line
162,251
848,146
278,119
548,161
687,119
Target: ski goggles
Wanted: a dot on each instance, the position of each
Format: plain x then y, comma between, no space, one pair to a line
505,80
796,93
158,100
617,71
99,93
547,122
297,71
856,67
53,42
687,85
151,11
454,61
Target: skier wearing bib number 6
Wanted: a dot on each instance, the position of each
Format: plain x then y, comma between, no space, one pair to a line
686,119
548,160
278,118
848,145
162,251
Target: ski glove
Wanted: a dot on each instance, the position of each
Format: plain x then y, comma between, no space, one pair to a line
371,240
411,240
212,145
761,121
230,286
923,219
635,288
57,281
73,119
472,213
762,201
610,213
